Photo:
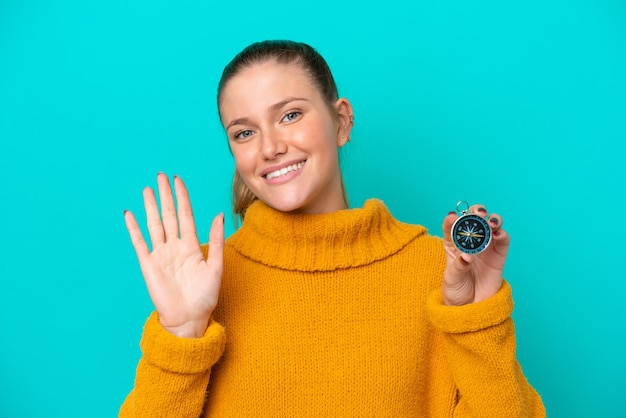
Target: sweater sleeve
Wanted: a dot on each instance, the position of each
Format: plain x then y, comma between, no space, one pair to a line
479,341
173,373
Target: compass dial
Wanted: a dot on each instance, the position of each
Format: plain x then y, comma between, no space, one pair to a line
471,234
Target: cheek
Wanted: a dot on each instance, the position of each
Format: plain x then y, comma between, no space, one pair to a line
244,161
315,135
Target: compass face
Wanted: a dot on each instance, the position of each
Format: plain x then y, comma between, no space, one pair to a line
471,234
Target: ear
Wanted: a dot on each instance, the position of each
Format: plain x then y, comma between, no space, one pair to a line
345,121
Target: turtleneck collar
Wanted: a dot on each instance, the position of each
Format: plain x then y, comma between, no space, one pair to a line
324,242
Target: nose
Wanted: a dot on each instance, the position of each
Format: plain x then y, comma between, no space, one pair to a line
272,145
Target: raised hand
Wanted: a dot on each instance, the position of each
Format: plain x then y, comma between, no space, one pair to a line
183,286
473,278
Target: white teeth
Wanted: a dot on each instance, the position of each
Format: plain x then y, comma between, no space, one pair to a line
284,170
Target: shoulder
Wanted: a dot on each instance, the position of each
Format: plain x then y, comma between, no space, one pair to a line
421,235
422,250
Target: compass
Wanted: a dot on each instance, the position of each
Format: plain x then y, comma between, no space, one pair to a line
471,233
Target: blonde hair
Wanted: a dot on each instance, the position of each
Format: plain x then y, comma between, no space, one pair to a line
242,198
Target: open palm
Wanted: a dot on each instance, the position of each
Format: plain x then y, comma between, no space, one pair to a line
183,286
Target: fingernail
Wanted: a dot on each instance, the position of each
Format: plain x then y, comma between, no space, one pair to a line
496,233
125,210
493,221
481,209
451,212
175,176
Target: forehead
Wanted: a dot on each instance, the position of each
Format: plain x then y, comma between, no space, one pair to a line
262,85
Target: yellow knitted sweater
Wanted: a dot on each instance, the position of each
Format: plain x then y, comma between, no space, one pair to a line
335,315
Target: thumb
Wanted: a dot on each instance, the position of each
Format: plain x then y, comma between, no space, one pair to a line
463,262
457,269
457,289
216,241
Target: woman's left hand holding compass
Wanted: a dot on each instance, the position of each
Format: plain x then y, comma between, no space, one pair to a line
470,278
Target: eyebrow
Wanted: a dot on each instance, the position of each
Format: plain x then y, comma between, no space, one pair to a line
272,108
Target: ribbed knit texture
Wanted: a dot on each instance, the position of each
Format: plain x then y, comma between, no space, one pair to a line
336,315
348,238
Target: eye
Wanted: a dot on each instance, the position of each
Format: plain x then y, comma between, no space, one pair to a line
245,134
291,116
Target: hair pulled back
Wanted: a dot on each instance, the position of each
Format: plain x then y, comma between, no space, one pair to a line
282,52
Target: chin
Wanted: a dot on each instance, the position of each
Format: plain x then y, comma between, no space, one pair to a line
286,206
288,203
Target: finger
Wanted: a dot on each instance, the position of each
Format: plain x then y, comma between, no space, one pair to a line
216,242
155,228
136,237
478,209
168,209
501,242
495,221
448,222
185,213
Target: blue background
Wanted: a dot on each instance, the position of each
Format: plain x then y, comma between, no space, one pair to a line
519,105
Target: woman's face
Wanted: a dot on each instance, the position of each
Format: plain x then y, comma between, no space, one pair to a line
284,137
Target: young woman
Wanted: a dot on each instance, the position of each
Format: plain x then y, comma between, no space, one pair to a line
312,308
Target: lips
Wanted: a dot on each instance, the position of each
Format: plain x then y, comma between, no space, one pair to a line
274,173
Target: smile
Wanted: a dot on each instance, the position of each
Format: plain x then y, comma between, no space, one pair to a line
285,170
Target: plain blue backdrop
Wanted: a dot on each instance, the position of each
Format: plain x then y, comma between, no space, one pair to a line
519,105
